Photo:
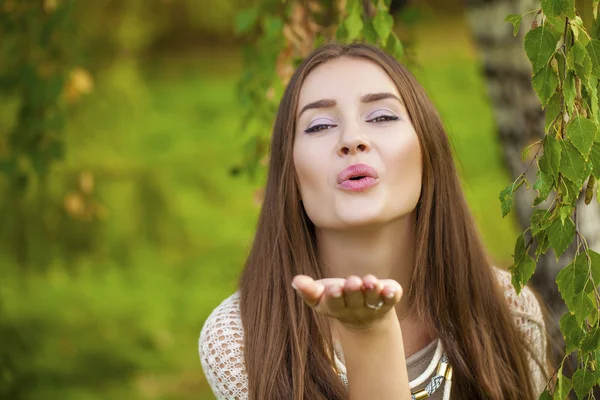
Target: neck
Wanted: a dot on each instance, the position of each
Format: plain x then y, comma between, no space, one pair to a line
386,251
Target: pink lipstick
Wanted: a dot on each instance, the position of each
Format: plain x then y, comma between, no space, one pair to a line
357,177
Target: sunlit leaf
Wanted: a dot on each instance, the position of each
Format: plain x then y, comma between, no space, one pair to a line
572,163
591,341
571,331
583,381
593,49
540,44
545,82
539,221
595,159
582,133
561,235
506,198
579,60
383,23
515,20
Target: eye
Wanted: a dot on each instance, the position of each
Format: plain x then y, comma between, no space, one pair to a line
320,127
383,118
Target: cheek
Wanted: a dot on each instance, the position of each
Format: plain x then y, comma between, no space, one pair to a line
405,163
307,169
311,164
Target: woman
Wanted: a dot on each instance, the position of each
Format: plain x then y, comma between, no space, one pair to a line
367,278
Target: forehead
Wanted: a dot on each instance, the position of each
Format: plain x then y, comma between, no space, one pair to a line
345,78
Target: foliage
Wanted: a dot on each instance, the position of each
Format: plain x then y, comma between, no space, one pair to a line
565,59
36,69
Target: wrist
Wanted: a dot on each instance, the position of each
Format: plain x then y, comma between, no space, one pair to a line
387,323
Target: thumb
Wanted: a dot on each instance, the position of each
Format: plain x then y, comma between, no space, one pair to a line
309,289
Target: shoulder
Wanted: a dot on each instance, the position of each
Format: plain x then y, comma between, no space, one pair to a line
527,315
221,348
525,304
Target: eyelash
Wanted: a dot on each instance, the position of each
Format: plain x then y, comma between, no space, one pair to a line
386,118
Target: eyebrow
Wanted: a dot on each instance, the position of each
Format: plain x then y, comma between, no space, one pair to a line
367,98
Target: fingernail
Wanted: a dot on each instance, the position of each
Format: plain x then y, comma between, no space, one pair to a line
390,295
294,286
338,293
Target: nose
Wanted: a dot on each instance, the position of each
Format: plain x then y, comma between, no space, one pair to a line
353,143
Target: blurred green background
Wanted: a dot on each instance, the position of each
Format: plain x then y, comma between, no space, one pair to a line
111,263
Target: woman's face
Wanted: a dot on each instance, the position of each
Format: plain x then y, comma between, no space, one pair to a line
356,153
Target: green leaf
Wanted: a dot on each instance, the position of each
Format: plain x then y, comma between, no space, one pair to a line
369,32
552,109
572,163
595,266
591,341
577,27
572,281
383,23
543,244
552,155
571,331
593,49
582,133
569,9
354,23
545,395
540,44
394,46
561,235
519,249
569,190
245,20
565,212
342,33
514,19
579,61
590,96
543,185
595,159
563,386
583,381
570,91
545,82
553,8
581,273
506,198
539,221
273,26
522,272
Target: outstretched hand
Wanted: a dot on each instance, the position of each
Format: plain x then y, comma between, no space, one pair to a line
355,302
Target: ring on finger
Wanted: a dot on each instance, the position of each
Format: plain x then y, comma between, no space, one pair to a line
375,306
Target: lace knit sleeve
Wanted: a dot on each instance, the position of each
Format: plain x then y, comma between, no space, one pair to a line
528,317
221,347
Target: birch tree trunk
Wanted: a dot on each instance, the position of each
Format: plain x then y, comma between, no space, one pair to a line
520,122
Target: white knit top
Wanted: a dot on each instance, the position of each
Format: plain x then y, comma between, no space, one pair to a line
221,343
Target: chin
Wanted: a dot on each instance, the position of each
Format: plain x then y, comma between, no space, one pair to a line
356,217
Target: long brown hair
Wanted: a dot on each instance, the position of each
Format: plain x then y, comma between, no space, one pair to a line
287,345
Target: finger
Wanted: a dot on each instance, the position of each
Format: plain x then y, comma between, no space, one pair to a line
372,290
309,289
334,297
391,292
353,294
